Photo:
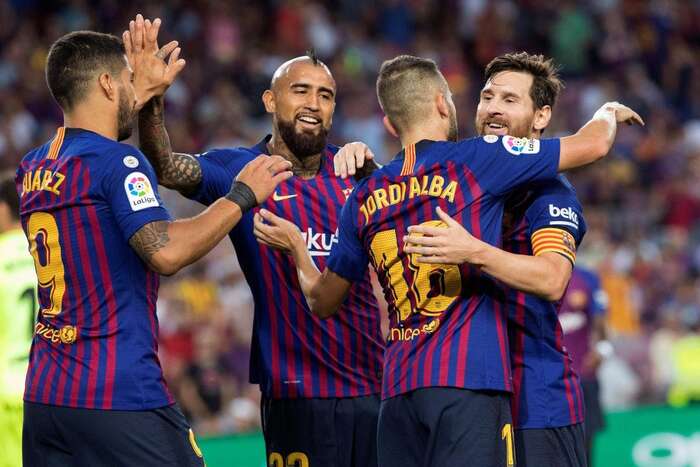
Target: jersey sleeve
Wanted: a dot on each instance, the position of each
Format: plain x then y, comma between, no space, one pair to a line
130,189
219,168
555,220
348,259
501,164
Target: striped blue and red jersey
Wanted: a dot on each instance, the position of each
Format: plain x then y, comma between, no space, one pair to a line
294,354
447,323
544,217
82,196
583,302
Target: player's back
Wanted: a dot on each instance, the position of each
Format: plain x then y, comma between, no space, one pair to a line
540,218
82,196
447,327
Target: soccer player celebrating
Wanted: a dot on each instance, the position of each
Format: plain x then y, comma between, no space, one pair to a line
319,379
447,371
543,226
17,310
99,236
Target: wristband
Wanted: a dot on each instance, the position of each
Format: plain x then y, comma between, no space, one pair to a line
243,196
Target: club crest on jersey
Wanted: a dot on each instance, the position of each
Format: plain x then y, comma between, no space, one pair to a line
139,192
517,146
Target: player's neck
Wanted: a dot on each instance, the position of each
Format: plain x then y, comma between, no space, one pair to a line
306,167
413,136
84,116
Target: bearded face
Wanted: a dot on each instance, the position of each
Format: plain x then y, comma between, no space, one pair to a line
302,142
125,117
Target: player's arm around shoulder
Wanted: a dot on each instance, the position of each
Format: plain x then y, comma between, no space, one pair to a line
324,291
595,139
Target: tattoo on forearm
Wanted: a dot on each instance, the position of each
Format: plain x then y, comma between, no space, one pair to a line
183,171
174,170
150,239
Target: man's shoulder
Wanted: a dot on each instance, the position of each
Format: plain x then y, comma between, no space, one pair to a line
226,156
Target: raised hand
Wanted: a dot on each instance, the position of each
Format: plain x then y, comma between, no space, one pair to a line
623,114
350,158
152,74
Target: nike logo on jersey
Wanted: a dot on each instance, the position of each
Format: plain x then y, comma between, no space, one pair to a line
276,197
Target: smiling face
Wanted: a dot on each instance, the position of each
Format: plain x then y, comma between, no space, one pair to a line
302,100
506,107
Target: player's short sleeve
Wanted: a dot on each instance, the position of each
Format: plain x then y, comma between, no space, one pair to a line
348,259
219,168
130,189
555,220
501,164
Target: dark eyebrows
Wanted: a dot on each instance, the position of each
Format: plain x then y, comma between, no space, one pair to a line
307,86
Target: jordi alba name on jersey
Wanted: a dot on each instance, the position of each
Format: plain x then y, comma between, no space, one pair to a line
447,324
540,218
294,353
82,196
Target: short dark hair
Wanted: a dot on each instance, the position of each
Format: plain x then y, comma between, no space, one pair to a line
546,84
401,88
76,58
311,53
8,192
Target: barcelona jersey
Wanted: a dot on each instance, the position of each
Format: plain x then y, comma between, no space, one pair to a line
95,345
543,217
583,302
294,354
447,323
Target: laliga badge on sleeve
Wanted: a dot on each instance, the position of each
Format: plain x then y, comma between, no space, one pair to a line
139,192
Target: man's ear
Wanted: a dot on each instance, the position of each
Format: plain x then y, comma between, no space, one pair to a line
390,127
268,98
108,86
442,106
542,118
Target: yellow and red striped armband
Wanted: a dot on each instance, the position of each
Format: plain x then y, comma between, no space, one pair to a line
556,240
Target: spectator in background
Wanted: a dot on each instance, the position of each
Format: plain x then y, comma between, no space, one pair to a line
582,318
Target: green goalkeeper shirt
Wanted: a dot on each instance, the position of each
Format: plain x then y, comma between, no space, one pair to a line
18,306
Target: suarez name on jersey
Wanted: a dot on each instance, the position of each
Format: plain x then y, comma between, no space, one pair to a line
82,196
447,324
294,353
543,217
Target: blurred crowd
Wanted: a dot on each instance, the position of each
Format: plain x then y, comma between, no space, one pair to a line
642,204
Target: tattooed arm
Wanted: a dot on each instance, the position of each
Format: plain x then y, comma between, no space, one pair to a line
166,247
178,171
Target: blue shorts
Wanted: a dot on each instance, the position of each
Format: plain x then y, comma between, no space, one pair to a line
551,447
334,432
64,436
444,427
